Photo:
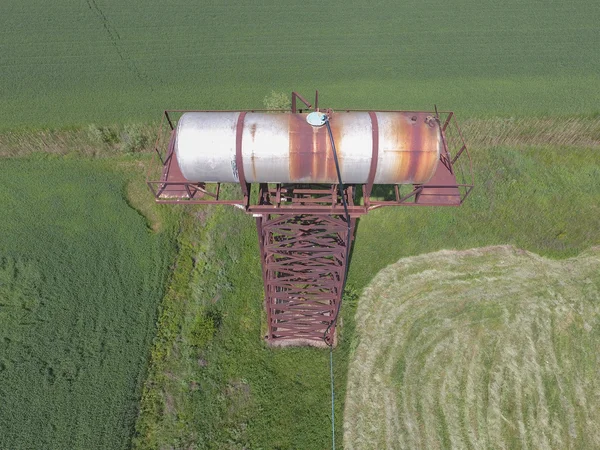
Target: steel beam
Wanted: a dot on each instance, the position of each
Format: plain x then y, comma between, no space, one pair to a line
303,263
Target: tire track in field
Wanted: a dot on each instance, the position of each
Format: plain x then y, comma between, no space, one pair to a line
485,348
115,39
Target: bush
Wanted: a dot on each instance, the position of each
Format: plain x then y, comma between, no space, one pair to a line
134,139
351,295
103,135
277,100
205,327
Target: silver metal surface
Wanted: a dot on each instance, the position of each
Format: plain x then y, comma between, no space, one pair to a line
205,146
284,148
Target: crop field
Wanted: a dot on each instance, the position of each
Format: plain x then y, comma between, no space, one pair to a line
485,348
105,61
81,276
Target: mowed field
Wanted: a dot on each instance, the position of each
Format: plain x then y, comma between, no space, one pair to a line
81,276
490,348
105,61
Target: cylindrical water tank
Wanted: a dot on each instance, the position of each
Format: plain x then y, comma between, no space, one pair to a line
284,148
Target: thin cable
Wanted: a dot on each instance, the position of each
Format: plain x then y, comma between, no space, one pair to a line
332,397
334,321
349,234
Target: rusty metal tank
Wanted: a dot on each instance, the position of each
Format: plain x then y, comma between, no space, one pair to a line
284,148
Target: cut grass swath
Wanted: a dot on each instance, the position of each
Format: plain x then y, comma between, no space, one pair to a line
484,348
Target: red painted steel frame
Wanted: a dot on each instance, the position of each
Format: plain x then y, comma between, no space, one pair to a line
302,231
304,261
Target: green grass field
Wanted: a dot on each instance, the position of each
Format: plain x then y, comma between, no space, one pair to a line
81,276
89,79
543,198
105,61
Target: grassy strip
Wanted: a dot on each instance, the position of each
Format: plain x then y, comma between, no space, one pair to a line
213,383
482,133
171,312
520,132
90,141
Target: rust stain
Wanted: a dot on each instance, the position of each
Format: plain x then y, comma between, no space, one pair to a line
337,129
428,150
415,147
311,157
253,131
398,134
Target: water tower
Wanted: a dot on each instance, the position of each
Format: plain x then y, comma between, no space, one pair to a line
306,175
